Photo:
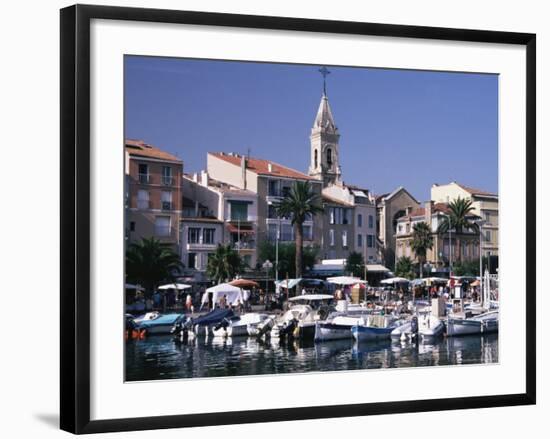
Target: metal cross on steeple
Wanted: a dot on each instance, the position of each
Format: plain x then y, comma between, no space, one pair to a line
324,71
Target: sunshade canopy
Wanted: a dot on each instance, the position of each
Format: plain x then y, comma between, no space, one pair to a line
174,286
244,283
233,294
394,280
345,280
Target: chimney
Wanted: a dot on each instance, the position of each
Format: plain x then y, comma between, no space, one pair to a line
428,208
204,178
243,171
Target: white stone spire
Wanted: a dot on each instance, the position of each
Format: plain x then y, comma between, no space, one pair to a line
324,120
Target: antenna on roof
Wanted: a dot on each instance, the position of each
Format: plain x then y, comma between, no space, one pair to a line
248,153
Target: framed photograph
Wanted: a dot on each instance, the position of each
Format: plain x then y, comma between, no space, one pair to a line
275,218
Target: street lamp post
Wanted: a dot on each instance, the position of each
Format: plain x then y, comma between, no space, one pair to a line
267,265
450,245
480,224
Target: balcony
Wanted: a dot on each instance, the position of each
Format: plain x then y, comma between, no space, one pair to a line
244,245
144,178
167,180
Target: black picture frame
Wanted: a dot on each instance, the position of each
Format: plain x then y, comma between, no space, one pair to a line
75,217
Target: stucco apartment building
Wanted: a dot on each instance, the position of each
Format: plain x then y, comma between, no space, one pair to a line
389,208
349,222
153,193
485,205
214,213
446,247
270,182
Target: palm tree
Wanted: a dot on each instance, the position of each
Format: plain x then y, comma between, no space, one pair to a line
460,220
299,204
422,241
223,264
404,267
149,262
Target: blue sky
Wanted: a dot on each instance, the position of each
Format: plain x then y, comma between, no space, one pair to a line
397,127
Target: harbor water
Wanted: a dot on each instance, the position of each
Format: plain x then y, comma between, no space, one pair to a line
163,357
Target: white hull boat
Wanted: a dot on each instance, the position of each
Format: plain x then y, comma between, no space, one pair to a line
244,325
376,327
336,328
429,326
480,324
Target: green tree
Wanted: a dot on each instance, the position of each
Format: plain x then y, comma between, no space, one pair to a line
223,264
300,204
460,220
422,241
404,267
355,264
287,257
466,268
149,262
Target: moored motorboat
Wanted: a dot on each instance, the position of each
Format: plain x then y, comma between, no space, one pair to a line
375,327
336,328
430,326
243,325
467,323
157,323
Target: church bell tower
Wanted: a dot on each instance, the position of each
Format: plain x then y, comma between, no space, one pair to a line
324,138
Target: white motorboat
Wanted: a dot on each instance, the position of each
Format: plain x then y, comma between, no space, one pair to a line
243,325
337,327
376,327
430,326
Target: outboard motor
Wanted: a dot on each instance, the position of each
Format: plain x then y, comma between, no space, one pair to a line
288,329
223,324
181,327
414,326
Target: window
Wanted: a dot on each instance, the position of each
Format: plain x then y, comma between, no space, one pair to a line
193,235
166,200
132,226
167,176
370,241
192,260
273,189
487,217
344,238
465,249
287,232
162,226
271,212
359,240
315,159
371,221
143,199
208,236
359,220
272,232
407,227
329,156
308,233
239,210
332,215
345,216
331,237
488,235
143,173
285,191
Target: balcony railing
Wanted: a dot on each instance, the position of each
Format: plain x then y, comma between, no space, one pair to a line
167,180
144,178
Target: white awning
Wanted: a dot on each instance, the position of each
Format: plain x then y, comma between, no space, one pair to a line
377,267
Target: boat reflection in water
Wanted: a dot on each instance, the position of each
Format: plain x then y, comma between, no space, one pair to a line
163,357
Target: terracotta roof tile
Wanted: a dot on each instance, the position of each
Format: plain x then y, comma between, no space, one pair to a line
474,191
261,167
138,148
